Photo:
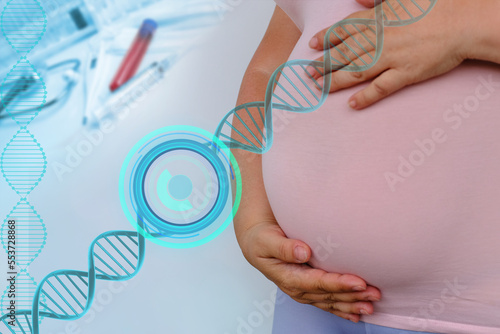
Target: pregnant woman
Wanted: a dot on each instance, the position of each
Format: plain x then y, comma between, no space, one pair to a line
389,215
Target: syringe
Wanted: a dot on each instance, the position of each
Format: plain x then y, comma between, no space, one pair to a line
126,97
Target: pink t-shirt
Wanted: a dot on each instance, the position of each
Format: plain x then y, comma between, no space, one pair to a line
404,194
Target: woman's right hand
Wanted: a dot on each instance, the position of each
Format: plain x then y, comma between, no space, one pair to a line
283,261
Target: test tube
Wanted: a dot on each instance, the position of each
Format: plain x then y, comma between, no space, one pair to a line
134,56
127,96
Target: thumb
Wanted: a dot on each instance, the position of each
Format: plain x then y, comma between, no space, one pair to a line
301,252
277,245
366,3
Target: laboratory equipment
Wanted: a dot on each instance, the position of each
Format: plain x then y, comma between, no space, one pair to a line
63,77
134,56
125,97
108,11
67,23
19,86
71,22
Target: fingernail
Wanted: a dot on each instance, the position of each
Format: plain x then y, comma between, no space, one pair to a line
300,254
353,104
359,288
363,311
313,43
374,299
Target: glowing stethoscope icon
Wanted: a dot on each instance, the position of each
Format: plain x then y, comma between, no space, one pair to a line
173,191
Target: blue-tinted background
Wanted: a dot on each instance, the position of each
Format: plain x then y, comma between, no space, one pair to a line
207,46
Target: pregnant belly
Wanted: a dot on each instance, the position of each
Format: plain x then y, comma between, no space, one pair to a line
403,193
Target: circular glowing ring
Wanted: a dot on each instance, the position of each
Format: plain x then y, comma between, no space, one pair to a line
218,158
138,188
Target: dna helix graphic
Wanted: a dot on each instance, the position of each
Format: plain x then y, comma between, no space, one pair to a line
118,255
68,294
113,255
353,45
23,162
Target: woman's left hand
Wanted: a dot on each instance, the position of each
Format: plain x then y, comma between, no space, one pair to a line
432,46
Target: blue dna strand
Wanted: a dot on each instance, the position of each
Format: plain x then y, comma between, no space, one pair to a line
23,162
118,255
113,256
68,294
350,45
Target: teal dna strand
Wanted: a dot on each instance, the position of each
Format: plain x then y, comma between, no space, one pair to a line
23,162
118,255
353,45
69,294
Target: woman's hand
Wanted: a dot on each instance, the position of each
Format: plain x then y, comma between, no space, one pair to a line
259,236
432,46
283,261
